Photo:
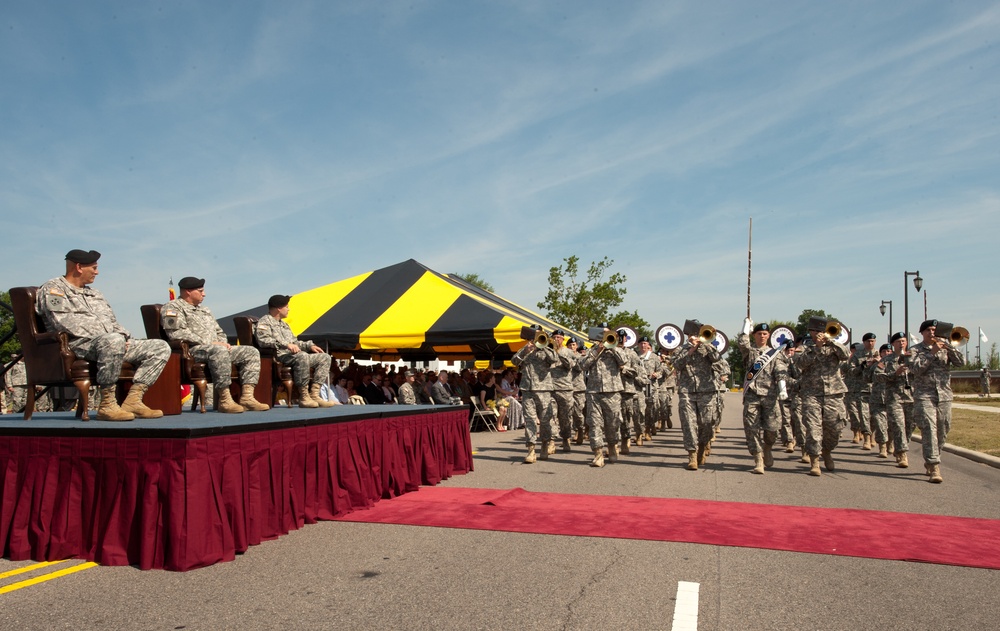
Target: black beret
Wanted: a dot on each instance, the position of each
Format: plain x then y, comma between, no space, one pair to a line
855,346
83,257
604,325
926,324
897,336
761,327
621,333
643,339
190,282
869,336
557,332
277,301
885,347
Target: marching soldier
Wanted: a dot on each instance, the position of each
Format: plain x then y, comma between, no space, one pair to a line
536,363
668,388
859,390
895,373
185,319
822,389
697,396
877,401
654,373
603,364
764,386
70,305
579,392
930,362
562,383
633,382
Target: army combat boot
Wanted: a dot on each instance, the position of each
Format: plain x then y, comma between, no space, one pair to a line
305,399
901,460
935,474
814,465
883,451
565,445
598,460
544,454
226,403
133,403
692,464
828,460
314,395
108,409
768,457
758,463
531,457
248,401
579,437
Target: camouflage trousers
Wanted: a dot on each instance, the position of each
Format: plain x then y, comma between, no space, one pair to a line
604,417
630,416
899,418
565,403
798,429
664,404
761,420
934,420
652,412
880,421
823,420
220,361
305,364
697,412
858,411
110,351
539,413
787,433
579,407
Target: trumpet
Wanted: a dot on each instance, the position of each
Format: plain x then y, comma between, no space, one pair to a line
541,340
707,334
955,335
833,329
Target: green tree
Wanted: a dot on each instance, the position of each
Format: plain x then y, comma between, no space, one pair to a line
475,279
582,303
801,326
12,345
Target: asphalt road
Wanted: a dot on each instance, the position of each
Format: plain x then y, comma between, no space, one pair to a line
367,576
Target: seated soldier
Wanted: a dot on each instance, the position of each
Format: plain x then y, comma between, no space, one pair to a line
303,356
186,320
69,305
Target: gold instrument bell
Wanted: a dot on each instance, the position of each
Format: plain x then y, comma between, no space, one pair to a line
955,335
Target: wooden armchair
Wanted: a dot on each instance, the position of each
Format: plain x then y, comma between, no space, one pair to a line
281,375
48,359
192,371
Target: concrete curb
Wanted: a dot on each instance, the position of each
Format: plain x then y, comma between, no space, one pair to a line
975,456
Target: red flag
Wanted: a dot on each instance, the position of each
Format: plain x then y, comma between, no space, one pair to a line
171,290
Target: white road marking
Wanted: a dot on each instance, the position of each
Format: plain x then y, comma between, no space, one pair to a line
686,607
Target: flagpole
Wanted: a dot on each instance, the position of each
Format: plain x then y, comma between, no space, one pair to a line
749,258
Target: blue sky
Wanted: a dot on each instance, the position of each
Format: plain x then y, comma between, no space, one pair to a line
272,147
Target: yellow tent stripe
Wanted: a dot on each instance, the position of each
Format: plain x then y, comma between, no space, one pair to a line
416,310
509,330
309,306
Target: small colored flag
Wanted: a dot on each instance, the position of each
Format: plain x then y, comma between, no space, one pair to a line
982,337
914,339
171,290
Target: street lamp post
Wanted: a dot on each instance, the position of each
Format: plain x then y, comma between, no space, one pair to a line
917,284
881,310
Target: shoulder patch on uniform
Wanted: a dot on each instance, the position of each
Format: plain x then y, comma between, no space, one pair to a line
169,312
55,291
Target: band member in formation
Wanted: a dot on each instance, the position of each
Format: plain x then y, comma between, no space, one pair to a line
68,304
187,320
697,398
765,374
603,364
633,382
858,391
562,382
536,363
822,389
654,368
930,362
665,395
877,401
895,372
579,392
794,401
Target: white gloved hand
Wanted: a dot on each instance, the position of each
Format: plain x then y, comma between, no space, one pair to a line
782,390
747,326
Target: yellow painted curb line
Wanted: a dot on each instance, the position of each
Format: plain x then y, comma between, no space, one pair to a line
45,577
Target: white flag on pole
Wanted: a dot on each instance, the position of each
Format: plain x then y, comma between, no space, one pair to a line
982,337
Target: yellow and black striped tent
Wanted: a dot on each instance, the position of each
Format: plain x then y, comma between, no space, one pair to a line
407,311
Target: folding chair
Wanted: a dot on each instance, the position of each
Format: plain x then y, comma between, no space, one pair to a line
488,416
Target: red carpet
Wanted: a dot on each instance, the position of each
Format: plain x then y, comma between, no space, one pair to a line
960,541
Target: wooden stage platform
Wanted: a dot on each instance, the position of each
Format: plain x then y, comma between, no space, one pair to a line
190,490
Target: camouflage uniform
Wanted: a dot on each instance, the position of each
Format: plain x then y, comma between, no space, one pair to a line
185,322
406,395
795,402
604,398
877,402
984,383
562,393
932,395
822,389
722,372
761,411
665,395
95,334
898,401
634,381
17,381
654,372
536,365
858,390
697,392
274,333
579,394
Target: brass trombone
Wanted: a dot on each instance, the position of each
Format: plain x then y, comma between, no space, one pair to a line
955,335
610,339
833,329
707,334
541,339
